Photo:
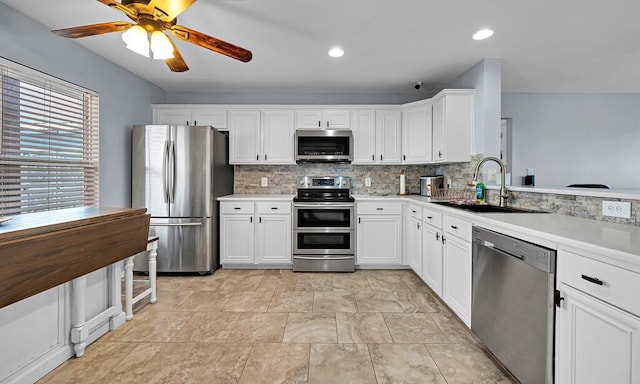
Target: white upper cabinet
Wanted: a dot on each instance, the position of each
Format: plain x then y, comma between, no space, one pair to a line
376,136
261,136
323,119
416,133
278,136
453,121
186,115
244,136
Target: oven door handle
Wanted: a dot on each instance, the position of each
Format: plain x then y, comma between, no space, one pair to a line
323,258
323,206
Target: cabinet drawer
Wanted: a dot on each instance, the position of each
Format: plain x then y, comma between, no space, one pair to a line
378,208
273,207
415,211
606,282
432,217
244,207
456,227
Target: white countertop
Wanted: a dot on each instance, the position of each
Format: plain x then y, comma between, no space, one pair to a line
620,242
256,197
631,194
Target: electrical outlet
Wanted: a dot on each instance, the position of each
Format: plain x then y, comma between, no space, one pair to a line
367,181
617,209
265,182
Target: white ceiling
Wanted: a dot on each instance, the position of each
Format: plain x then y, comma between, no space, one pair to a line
545,45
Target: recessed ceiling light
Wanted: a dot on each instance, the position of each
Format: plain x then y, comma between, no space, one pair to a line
336,52
482,34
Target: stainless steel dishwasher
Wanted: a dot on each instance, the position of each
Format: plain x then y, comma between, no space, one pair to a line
513,308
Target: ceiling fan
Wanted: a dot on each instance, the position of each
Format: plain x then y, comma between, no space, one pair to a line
151,18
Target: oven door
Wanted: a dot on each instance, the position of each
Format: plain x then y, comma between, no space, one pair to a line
323,242
322,215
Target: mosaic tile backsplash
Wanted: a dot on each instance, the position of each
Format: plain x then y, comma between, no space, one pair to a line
385,180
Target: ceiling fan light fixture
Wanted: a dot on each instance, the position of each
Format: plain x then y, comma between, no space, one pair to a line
161,46
482,34
137,40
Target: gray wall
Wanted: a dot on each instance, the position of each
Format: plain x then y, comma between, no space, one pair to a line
124,98
486,78
296,97
576,138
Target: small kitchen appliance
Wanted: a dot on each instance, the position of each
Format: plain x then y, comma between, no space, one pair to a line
430,184
323,225
324,146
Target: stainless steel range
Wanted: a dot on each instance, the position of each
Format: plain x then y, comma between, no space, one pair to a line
323,225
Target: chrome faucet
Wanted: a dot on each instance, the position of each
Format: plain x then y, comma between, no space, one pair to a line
503,188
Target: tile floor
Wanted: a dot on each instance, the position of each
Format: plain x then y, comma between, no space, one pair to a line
276,326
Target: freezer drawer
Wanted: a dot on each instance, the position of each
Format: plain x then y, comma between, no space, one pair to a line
184,245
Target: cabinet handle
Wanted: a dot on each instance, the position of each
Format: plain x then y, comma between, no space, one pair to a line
437,236
557,298
380,157
358,220
429,217
417,225
413,211
379,209
373,157
265,156
404,157
440,154
187,122
237,208
327,123
260,219
319,126
593,280
251,219
257,157
195,122
274,207
443,240
454,227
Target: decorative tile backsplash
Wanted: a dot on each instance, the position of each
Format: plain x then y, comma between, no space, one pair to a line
385,180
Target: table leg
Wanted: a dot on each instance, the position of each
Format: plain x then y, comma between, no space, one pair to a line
153,254
80,328
128,287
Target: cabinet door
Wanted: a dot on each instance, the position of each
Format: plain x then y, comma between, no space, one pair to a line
337,119
595,342
364,137
236,239
273,239
416,135
309,118
379,240
457,277
244,137
414,244
432,257
278,137
438,130
173,116
216,118
389,145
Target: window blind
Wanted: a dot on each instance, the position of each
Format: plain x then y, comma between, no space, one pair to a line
49,148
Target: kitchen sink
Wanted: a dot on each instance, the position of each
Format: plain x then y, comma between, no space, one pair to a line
486,208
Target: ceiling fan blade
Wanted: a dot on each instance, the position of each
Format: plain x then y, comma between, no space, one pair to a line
177,63
93,29
168,10
122,8
206,41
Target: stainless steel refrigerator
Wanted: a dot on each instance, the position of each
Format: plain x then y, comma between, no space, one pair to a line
177,174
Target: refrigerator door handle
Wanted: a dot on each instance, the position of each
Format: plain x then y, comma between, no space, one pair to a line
165,160
172,171
176,224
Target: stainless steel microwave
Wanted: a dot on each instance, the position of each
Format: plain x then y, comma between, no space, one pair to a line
324,146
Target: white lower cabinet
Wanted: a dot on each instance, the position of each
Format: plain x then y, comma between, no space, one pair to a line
432,249
379,233
456,266
412,233
598,323
255,233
